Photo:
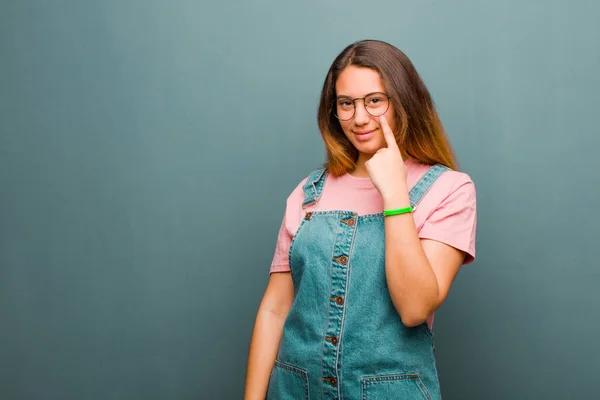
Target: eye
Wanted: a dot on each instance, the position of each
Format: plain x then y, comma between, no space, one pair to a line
375,100
345,103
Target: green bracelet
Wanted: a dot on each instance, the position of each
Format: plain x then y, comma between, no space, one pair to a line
398,211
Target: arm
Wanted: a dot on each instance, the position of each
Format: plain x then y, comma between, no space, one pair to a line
268,328
419,272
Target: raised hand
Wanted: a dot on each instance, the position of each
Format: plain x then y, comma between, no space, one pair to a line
386,167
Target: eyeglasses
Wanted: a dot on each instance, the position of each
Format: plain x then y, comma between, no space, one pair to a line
376,105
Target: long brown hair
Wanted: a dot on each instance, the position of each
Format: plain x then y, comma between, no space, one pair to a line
419,131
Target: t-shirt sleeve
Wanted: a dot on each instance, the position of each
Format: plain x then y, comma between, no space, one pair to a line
280,258
291,221
454,221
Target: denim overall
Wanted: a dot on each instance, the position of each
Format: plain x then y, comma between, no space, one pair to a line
343,338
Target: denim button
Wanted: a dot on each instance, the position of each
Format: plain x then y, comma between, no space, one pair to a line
308,215
351,222
339,300
334,340
343,260
331,381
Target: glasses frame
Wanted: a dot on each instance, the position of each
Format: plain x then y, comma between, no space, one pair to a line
334,110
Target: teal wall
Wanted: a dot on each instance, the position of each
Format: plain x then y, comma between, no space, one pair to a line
147,148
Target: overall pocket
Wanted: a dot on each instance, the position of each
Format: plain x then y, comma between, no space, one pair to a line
391,387
287,382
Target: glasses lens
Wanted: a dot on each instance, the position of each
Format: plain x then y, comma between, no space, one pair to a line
377,104
344,109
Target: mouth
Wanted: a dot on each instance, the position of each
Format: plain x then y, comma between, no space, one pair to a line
364,135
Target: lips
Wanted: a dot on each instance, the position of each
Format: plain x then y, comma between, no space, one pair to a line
364,135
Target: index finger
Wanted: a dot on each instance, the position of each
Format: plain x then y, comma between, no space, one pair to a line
390,139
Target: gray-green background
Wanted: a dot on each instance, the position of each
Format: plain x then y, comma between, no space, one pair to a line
147,148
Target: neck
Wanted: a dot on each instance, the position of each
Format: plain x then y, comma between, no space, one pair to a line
360,169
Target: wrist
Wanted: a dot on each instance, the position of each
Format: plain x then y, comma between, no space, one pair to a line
397,199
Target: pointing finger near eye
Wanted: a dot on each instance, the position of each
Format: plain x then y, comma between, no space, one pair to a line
387,133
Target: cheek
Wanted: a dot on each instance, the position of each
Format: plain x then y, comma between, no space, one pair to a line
391,118
345,127
393,126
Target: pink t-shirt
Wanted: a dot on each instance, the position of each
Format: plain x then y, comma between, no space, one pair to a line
447,212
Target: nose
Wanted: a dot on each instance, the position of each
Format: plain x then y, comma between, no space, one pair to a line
361,116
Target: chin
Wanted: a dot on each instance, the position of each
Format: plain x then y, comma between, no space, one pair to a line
367,148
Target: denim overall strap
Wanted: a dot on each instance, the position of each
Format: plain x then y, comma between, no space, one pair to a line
425,183
314,186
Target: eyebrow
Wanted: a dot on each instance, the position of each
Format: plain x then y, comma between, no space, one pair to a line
343,96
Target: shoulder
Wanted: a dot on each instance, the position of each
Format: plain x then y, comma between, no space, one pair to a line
449,212
455,181
451,196
449,182
297,194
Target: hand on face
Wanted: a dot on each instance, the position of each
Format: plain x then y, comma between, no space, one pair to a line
386,167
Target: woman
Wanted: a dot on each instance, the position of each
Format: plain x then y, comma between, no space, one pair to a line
369,244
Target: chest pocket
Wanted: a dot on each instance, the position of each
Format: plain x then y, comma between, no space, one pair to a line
287,382
401,386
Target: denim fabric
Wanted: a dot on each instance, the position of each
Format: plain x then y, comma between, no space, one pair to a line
343,338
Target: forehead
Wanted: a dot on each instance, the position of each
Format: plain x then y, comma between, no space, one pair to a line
357,81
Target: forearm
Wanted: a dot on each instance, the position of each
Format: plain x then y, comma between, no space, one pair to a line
411,281
263,350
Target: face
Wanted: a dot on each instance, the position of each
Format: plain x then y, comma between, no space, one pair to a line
363,130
